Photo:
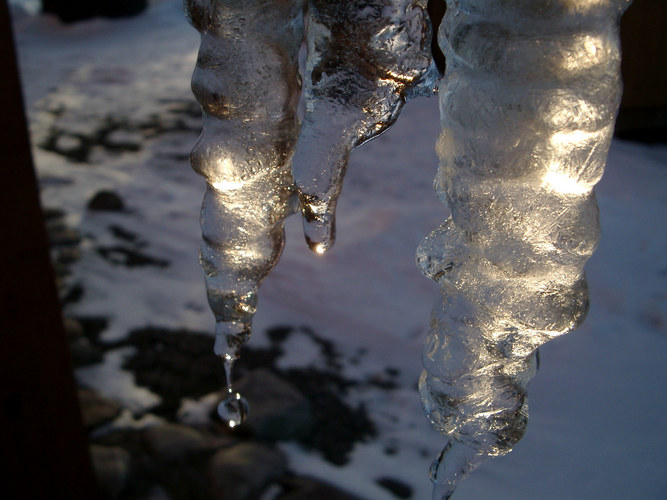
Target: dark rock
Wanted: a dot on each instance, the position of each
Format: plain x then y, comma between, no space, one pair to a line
93,326
130,258
279,333
84,352
96,409
73,294
243,471
337,426
391,449
131,440
61,271
112,467
174,364
172,442
75,148
73,328
157,493
76,10
214,441
180,479
278,410
122,8
177,364
122,233
106,201
83,347
51,214
398,488
60,235
68,255
126,140
306,488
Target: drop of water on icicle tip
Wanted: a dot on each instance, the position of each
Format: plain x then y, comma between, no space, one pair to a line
233,410
320,234
320,248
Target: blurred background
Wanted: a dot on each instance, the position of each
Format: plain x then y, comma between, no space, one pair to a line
109,381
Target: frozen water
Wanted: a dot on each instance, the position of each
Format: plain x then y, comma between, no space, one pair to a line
246,80
233,409
364,59
527,105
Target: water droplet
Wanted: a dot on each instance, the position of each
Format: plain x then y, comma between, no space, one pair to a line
319,248
320,234
233,410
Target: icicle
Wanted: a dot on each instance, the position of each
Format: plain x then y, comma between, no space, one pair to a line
246,81
364,59
527,103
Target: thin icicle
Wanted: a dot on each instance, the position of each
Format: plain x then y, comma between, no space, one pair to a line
364,59
246,81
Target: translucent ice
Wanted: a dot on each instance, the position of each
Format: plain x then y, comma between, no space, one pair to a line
233,409
246,80
364,59
527,104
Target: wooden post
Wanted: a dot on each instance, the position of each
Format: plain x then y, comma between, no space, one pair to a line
44,447
643,114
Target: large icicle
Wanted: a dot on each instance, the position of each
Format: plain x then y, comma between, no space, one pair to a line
528,104
364,59
246,80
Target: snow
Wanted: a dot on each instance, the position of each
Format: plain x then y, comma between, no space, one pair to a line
597,405
107,377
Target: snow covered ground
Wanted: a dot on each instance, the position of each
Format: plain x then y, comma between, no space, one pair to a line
598,426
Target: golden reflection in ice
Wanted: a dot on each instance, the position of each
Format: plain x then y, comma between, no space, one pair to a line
584,53
556,177
223,180
538,224
562,183
585,5
572,137
225,185
316,208
247,83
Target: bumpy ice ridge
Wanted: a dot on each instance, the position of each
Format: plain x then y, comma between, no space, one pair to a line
527,104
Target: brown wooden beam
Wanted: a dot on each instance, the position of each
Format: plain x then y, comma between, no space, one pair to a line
44,447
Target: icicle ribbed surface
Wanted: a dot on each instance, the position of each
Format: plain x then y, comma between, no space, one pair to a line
246,80
527,104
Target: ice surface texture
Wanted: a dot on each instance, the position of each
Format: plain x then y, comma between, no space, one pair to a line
527,104
364,59
247,83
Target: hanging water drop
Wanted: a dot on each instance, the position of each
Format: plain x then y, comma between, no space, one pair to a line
233,409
